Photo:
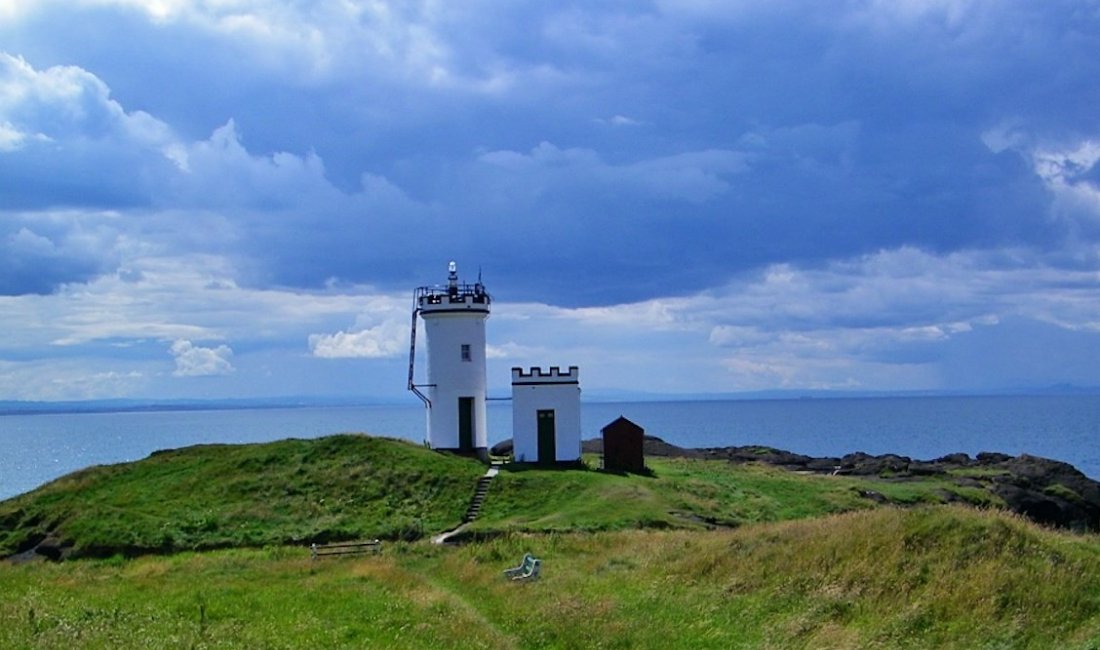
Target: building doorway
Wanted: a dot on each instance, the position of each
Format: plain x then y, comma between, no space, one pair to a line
547,442
465,424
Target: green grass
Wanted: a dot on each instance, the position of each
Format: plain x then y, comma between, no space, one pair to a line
927,577
353,486
981,473
216,496
700,554
688,493
1059,490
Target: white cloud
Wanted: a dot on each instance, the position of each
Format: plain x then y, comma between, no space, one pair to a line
1004,136
67,379
515,351
122,323
737,336
1065,172
196,361
891,13
1065,168
411,43
26,241
185,297
220,172
10,137
388,339
1067,164
656,314
66,102
694,176
743,222
888,320
619,121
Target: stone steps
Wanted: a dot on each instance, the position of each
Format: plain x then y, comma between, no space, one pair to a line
478,499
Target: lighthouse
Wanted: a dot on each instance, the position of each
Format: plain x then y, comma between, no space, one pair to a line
454,325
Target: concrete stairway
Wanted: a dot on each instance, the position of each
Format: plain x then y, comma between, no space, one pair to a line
479,496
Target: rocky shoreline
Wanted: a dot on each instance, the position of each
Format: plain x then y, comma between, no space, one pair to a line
1046,491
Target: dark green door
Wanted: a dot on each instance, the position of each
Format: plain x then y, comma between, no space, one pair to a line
546,437
465,423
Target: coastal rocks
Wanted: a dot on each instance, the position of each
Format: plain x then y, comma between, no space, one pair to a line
502,448
42,547
861,464
959,459
53,548
651,446
1046,491
770,456
877,497
1050,492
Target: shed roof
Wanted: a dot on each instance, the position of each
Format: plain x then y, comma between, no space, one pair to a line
621,423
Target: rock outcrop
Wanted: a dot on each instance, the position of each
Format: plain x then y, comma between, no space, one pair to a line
1047,491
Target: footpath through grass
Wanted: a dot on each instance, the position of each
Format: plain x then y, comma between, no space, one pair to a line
935,577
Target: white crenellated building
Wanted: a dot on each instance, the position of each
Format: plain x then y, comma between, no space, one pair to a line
546,415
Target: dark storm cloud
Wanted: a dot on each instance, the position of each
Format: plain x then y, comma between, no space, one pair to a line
784,193
40,253
501,139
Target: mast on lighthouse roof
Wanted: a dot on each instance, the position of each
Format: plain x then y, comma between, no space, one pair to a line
454,326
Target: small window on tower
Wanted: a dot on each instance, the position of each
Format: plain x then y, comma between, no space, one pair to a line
465,351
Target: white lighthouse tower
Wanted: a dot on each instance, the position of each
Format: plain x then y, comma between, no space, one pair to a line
454,325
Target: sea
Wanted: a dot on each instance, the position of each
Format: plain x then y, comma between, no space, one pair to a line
35,449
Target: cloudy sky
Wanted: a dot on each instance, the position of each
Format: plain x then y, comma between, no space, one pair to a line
236,198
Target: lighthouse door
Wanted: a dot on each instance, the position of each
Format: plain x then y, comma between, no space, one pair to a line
465,423
546,436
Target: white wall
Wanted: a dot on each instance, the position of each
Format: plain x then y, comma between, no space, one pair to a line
454,378
535,391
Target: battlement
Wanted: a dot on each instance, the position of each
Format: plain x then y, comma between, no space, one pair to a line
536,376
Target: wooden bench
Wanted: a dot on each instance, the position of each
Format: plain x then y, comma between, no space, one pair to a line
344,548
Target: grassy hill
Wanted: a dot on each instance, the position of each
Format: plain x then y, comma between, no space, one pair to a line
691,493
702,554
354,486
217,496
929,577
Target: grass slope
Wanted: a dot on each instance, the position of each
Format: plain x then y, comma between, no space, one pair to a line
934,577
689,493
343,487
213,496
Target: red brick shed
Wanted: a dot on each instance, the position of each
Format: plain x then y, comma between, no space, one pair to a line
623,446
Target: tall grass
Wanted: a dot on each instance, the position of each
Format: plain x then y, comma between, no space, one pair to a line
932,577
935,577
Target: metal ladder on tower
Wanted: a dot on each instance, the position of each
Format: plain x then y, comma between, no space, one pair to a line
412,354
